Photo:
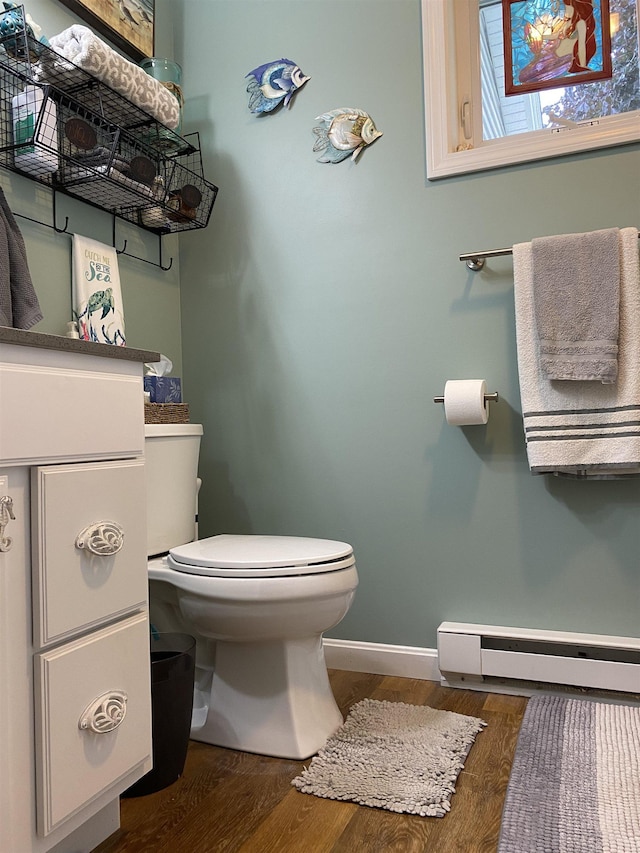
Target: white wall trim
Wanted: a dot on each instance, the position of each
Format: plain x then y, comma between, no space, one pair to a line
382,659
422,663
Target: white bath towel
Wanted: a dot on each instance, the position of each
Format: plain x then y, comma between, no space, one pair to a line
576,293
97,296
579,428
82,46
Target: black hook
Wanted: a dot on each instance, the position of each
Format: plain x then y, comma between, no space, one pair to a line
137,257
46,224
66,219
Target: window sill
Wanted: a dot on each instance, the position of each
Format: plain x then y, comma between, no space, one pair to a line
535,145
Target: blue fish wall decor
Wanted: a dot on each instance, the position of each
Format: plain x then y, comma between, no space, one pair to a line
344,132
273,84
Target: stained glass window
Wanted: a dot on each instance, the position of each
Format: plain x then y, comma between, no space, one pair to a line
547,41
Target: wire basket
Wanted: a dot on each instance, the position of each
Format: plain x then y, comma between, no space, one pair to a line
64,127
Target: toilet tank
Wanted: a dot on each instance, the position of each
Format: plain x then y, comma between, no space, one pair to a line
171,467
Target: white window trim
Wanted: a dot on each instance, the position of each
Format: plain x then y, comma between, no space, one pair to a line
441,110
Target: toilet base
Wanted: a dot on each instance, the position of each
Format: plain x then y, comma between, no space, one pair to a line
270,697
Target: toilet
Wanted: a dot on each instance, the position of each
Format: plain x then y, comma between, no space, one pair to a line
256,605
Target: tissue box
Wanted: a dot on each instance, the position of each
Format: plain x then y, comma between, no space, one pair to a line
163,389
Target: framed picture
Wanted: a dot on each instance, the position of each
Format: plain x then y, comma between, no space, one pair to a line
128,24
549,43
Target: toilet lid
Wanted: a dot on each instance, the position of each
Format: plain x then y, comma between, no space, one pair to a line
230,555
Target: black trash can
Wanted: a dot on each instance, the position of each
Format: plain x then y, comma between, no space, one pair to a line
173,661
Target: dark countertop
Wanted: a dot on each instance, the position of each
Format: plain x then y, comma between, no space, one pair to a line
63,344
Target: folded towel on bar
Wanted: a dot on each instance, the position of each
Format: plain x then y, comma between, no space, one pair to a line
576,284
581,429
19,306
82,46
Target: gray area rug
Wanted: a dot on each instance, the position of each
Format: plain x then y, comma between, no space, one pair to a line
394,756
575,781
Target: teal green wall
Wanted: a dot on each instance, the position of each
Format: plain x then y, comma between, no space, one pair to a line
151,297
324,307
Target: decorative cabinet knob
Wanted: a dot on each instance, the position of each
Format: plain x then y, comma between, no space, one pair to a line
104,538
6,515
105,713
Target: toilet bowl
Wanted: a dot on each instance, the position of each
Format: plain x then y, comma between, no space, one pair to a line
258,607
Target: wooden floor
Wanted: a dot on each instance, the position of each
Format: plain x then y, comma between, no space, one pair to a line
229,801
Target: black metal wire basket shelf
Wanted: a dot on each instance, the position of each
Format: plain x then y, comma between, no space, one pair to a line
63,127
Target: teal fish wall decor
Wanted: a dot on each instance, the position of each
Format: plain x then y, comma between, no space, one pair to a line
344,132
273,84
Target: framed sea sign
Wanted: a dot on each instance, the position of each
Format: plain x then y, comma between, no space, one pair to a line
128,24
548,43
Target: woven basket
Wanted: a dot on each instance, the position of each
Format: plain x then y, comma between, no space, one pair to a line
166,413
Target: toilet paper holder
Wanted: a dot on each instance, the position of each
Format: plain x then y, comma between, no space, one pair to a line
492,397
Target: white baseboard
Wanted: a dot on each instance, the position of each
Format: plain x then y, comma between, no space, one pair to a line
382,659
416,662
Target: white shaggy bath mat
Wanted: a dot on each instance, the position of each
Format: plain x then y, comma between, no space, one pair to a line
403,758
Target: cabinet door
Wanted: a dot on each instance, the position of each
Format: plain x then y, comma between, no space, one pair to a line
90,545
83,688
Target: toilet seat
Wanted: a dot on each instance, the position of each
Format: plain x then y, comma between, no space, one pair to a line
252,556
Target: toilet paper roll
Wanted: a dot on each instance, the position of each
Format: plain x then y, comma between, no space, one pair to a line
464,402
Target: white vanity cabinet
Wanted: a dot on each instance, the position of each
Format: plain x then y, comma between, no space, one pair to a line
75,696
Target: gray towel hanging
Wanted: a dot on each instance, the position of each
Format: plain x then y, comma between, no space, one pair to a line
19,306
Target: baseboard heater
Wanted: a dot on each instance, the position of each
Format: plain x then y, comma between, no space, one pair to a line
469,655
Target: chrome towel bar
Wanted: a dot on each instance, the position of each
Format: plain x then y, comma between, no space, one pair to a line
475,260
